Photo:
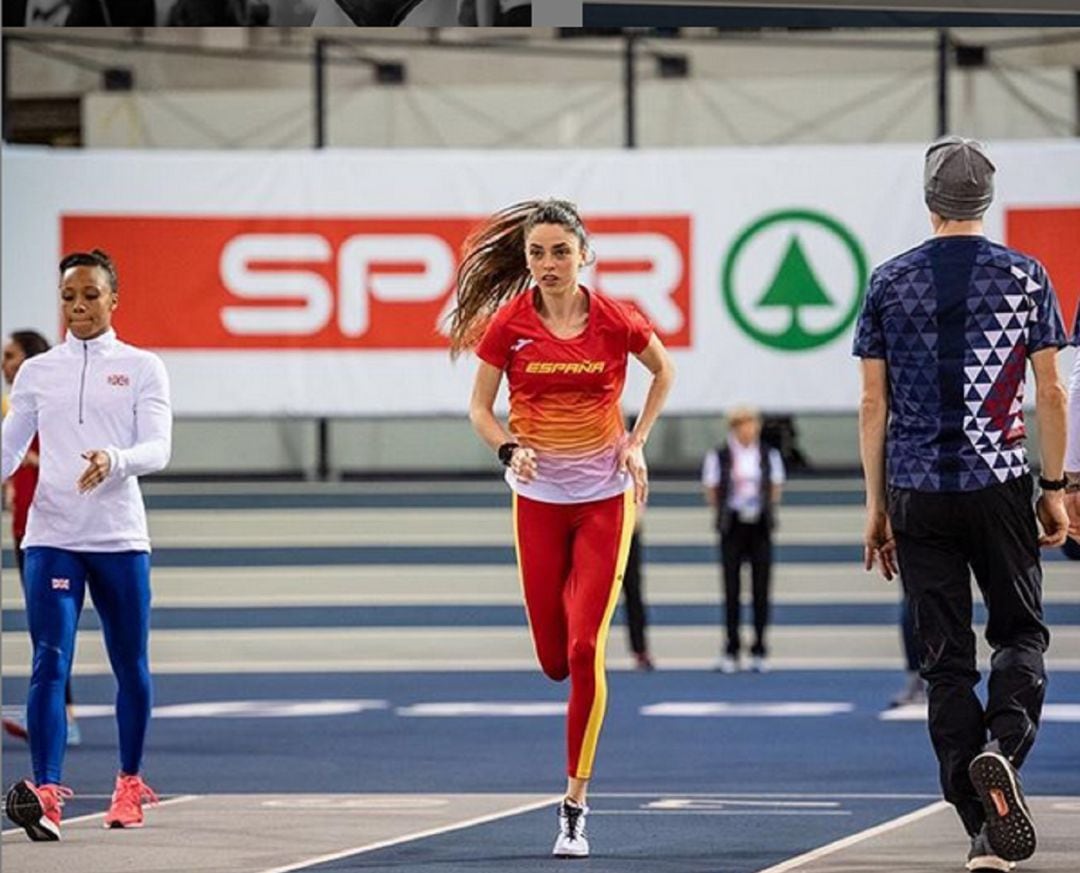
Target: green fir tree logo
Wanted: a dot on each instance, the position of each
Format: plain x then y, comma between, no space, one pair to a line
795,284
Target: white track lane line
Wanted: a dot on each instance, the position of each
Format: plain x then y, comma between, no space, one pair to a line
172,801
723,795
722,812
419,835
798,861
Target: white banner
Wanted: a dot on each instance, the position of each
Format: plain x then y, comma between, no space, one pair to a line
318,283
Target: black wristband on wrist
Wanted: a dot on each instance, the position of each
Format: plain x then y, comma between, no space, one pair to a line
1052,484
506,452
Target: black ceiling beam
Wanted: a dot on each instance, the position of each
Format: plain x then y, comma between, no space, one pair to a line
675,15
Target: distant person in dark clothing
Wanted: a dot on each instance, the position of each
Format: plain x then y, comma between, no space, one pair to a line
945,335
914,690
742,479
634,590
779,431
636,620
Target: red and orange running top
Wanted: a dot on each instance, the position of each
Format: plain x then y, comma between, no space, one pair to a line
564,394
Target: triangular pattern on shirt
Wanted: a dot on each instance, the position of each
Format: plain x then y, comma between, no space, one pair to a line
998,317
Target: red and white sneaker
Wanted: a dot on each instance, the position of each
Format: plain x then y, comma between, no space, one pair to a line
127,800
36,808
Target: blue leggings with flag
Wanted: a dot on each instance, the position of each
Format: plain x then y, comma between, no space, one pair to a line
56,583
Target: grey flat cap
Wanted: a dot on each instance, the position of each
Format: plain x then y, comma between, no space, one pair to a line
958,180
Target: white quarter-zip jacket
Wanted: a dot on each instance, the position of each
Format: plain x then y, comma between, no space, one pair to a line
85,395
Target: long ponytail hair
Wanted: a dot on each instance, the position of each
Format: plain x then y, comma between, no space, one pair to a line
493,267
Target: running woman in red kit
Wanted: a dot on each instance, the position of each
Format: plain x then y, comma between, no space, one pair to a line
575,472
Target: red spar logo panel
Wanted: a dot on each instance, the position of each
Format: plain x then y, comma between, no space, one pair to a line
1051,235
327,283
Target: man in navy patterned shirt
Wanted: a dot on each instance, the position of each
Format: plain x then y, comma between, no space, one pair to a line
945,335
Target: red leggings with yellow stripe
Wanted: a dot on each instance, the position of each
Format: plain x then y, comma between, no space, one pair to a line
571,558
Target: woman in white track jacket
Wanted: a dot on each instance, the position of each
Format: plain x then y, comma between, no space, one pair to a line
101,408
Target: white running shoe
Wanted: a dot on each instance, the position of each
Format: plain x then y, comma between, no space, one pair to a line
571,841
728,664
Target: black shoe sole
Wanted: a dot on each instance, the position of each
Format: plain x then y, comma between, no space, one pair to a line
1011,836
24,808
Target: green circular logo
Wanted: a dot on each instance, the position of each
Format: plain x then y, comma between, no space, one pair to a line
794,279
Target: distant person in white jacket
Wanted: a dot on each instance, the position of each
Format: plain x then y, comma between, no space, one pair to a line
101,408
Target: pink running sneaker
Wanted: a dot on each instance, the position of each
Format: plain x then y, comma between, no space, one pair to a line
127,800
36,808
